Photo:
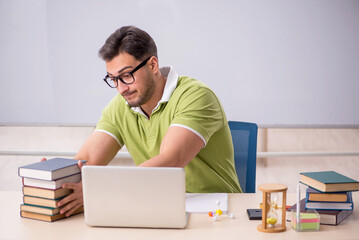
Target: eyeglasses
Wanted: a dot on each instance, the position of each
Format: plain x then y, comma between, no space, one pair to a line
126,78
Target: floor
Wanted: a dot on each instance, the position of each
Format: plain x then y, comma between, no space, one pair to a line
282,170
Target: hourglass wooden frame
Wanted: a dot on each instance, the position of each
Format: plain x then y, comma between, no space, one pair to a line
267,189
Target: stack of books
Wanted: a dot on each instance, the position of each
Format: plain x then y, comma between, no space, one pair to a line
42,187
330,194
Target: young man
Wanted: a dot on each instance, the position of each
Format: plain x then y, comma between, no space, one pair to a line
163,119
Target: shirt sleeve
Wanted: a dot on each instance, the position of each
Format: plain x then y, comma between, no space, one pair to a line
199,110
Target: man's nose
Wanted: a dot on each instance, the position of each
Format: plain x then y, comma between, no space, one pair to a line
122,88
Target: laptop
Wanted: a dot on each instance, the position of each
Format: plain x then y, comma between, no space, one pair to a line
147,197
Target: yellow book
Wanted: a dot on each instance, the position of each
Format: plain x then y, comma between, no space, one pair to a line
41,201
317,196
46,193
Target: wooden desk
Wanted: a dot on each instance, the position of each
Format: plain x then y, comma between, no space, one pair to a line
12,226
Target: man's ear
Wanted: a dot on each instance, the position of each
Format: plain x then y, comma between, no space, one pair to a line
154,64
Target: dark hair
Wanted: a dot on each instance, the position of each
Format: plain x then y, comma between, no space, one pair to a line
131,40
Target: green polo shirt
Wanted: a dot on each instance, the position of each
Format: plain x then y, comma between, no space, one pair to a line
186,103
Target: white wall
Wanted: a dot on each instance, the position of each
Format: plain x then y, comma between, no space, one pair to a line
270,62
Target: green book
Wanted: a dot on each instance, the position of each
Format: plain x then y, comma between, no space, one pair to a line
329,181
39,209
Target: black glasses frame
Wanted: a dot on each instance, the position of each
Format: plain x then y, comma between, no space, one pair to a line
115,79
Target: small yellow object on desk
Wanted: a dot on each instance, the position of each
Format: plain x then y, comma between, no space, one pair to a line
218,213
272,220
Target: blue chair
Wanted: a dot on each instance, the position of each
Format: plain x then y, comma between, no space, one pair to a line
244,138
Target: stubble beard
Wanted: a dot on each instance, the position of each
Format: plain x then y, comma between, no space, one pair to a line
150,86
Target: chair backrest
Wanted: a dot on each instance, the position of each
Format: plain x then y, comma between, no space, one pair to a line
244,138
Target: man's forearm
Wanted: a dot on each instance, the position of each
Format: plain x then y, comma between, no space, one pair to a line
163,161
99,149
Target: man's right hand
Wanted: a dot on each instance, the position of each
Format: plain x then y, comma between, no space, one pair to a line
73,201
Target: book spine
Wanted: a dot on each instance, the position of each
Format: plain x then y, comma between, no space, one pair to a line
326,208
307,194
41,187
350,198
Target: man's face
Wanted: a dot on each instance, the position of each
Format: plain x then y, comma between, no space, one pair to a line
141,90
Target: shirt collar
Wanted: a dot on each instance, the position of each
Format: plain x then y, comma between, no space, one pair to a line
171,83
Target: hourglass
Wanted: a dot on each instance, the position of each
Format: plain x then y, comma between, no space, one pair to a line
272,216
270,201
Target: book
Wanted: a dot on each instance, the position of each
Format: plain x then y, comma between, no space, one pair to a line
348,205
317,196
51,169
327,217
39,209
45,193
329,181
55,184
47,218
41,201
254,214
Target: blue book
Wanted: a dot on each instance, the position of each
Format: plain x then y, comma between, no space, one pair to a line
51,169
348,205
